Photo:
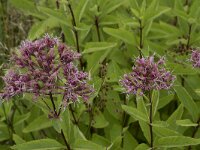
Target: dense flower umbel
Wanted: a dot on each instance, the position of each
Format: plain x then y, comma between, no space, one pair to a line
195,58
147,75
46,66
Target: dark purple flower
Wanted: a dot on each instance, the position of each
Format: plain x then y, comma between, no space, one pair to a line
46,66
195,58
147,75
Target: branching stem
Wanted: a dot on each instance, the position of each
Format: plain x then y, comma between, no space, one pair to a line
55,113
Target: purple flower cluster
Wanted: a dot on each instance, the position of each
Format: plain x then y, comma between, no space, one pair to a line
195,58
46,66
147,75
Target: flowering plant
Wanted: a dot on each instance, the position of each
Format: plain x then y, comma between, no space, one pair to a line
46,67
154,105
147,75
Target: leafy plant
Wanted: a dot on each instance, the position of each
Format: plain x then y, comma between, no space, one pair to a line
145,107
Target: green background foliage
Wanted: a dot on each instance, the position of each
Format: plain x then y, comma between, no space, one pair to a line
109,34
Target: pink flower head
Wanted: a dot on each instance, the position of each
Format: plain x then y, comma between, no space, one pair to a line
147,75
46,66
195,58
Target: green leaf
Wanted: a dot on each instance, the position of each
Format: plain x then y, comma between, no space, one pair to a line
181,14
42,144
145,130
66,125
39,123
177,114
28,7
180,69
187,101
155,101
110,7
129,141
141,106
99,120
164,131
100,140
59,16
116,144
165,100
160,124
142,147
86,145
4,134
80,9
42,27
121,34
186,123
114,72
17,139
98,46
135,113
20,119
176,141
98,61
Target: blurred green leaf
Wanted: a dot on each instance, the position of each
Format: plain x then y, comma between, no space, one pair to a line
155,101
185,123
39,123
121,34
17,139
176,141
97,46
187,101
86,145
135,113
39,145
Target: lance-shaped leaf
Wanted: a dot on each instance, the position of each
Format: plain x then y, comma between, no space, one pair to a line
155,101
176,141
185,123
42,144
98,46
135,113
121,34
39,123
187,101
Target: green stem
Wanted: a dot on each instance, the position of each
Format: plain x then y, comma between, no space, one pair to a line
66,143
189,37
75,31
151,121
53,104
97,28
57,4
73,115
62,133
141,38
